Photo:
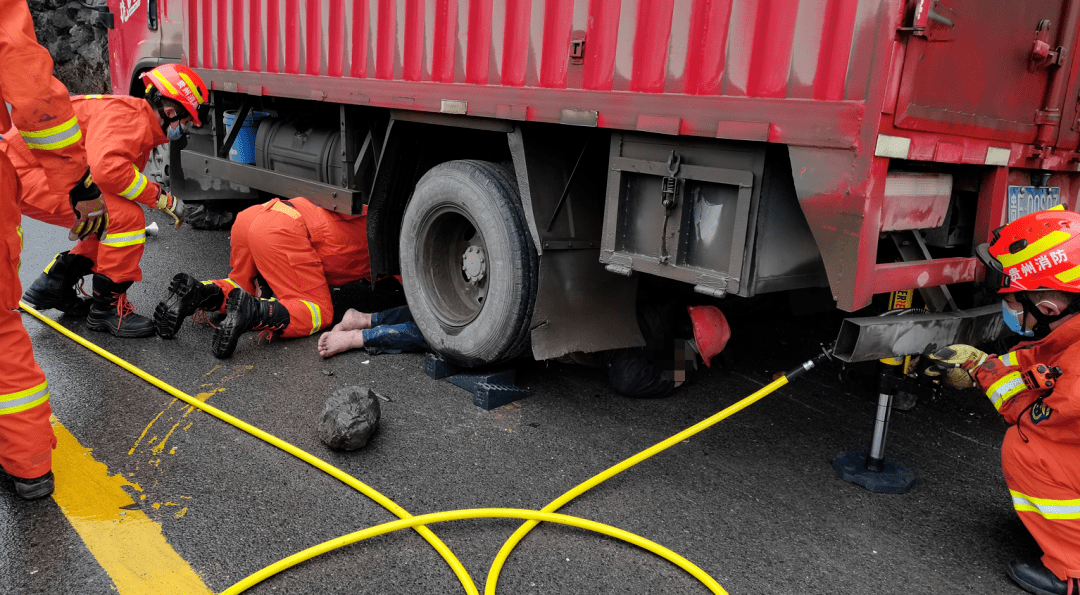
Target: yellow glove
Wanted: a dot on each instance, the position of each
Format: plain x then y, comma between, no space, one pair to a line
958,363
173,206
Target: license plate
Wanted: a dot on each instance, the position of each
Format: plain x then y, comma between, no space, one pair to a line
1029,199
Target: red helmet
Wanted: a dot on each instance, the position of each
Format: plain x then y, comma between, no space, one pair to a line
711,331
1037,251
179,83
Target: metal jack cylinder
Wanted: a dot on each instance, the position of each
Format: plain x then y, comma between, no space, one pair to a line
875,461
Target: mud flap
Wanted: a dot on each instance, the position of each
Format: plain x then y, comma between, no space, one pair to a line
582,307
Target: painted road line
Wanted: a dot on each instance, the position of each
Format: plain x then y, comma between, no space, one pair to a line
127,544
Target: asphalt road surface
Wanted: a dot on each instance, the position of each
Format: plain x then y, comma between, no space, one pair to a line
753,501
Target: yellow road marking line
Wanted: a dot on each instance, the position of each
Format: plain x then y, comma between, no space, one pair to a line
127,544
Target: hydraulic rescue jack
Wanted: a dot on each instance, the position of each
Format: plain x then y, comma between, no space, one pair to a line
893,340
870,469
896,375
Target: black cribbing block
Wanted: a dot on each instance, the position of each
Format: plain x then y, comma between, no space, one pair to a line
489,396
469,380
437,367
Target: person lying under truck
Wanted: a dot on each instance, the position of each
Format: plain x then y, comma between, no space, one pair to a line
389,331
299,249
1034,262
121,132
677,338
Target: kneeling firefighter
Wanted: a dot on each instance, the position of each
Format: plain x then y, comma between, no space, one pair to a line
299,249
120,134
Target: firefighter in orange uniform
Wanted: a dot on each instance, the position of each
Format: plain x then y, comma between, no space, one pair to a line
39,105
121,133
1034,262
299,250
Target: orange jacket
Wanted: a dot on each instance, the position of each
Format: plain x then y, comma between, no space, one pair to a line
1051,413
39,103
120,133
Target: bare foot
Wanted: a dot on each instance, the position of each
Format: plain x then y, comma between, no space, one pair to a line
353,320
334,342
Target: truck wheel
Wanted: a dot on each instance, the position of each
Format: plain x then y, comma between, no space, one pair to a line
157,166
468,264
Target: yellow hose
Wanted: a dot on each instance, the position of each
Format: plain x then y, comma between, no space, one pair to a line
476,513
409,521
504,552
444,551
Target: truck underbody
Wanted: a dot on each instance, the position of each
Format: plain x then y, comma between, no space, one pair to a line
730,174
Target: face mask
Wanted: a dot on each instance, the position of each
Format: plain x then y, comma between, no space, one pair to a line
176,133
1013,320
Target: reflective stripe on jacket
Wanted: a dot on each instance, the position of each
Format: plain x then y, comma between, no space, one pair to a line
40,108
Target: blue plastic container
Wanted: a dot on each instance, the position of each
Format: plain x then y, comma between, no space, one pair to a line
243,150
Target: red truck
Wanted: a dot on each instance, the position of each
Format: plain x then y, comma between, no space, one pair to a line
523,162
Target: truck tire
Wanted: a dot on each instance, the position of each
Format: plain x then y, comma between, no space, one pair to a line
468,264
157,166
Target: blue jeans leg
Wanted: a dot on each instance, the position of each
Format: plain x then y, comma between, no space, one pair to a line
392,316
393,331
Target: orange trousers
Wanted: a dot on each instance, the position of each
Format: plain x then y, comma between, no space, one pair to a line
116,255
26,436
1044,480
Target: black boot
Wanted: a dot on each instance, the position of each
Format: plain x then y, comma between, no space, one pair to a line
245,312
38,487
112,312
186,296
1036,578
55,288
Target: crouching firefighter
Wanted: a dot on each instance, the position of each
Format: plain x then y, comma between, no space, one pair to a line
298,249
1034,263
121,132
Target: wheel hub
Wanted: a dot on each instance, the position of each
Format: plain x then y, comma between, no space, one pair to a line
474,264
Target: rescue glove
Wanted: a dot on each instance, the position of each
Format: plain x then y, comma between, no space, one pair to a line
173,206
956,365
91,215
